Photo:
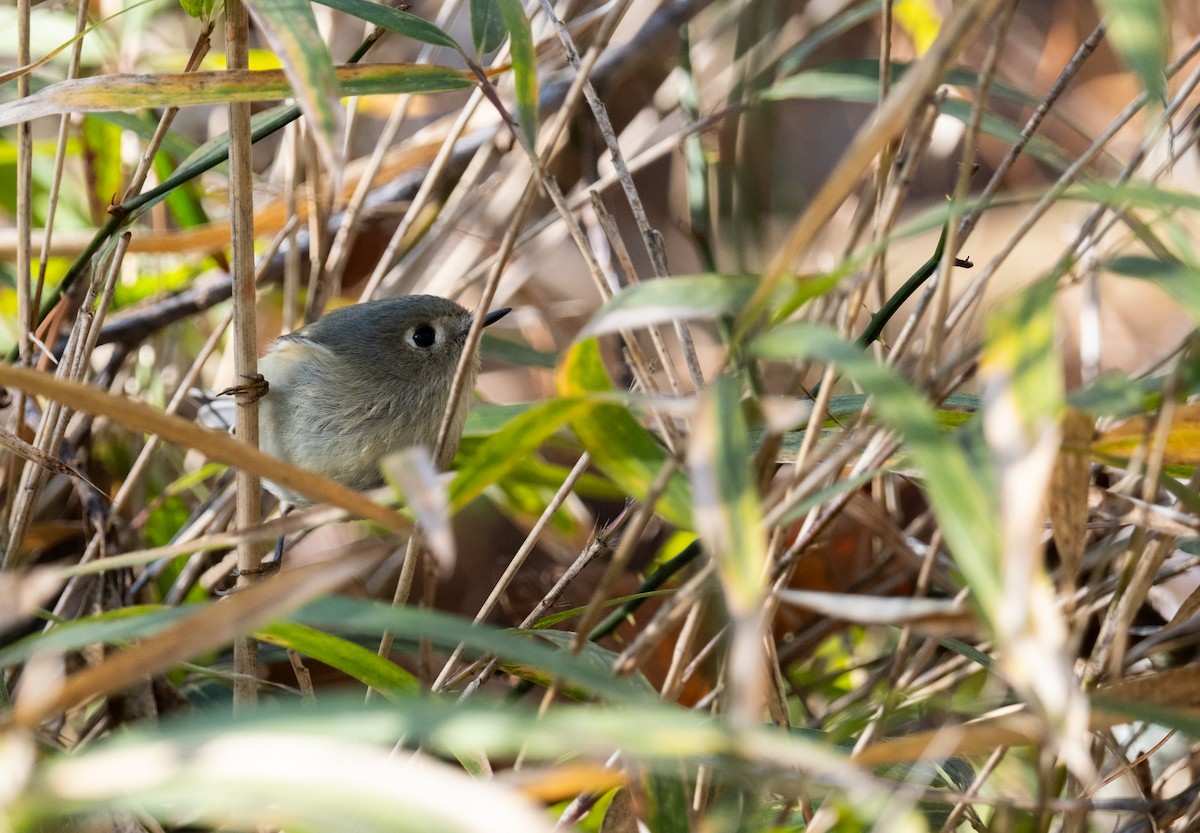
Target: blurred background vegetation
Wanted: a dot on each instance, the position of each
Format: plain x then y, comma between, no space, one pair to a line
835,469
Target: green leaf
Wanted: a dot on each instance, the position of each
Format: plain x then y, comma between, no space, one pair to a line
600,659
617,443
184,202
524,64
1178,279
331,767
668,801
485,420
291,30
805,289
102,147
957,489
534,480
360,663
1135,193
446,632
726,508
199,9
394,20
487,26
671,299
1137,29
632,458
111,628
834,27
1112,393
215,151
322,768
173,143
516,352
957,404
505,449
1180,719
549,620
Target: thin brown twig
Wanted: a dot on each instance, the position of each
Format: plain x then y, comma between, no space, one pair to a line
968,301
518,559
890,120
650,237
339,251
599,546
966,171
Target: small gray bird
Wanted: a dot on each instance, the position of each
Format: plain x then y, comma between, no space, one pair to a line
360,383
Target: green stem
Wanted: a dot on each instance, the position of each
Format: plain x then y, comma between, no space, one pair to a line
880,319
885,314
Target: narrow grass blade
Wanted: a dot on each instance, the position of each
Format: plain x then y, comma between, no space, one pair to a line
726,501
509,446
291,30
1138,31
362,664
524,64
394,20
1178,279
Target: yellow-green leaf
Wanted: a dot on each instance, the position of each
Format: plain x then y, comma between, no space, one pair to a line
618,444
728,518
200,9
510,446
360,663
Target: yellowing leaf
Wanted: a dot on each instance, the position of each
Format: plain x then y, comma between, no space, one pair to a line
728,518
920,19
1183,441
102,93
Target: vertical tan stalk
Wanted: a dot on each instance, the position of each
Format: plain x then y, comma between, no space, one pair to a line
25,311
241,216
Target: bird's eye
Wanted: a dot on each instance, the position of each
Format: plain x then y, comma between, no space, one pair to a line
424,336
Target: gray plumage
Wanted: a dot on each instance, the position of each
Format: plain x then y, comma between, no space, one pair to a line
360,383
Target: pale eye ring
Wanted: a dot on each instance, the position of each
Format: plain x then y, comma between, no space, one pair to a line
424,336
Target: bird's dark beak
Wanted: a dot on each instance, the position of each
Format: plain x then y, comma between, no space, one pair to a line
495,315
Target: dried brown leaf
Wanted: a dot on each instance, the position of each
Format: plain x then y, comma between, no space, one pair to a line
1069,490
